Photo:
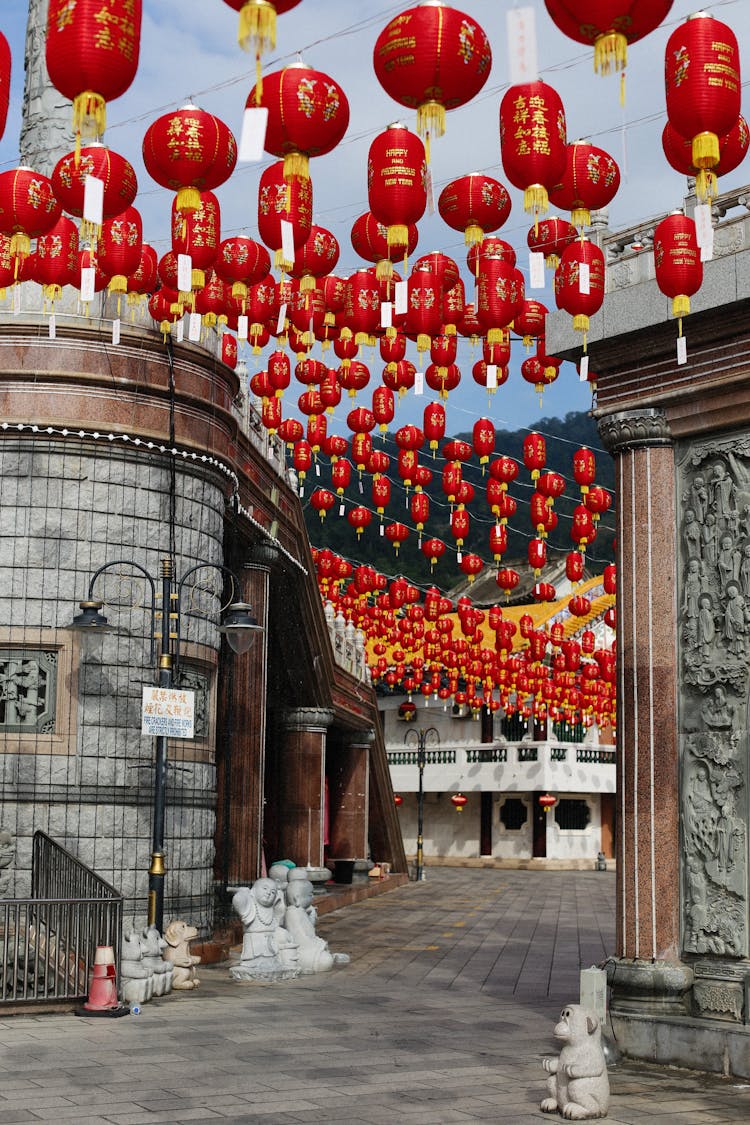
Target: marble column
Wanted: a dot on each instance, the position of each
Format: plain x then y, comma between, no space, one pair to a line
647,968
348,781
302,777
46,127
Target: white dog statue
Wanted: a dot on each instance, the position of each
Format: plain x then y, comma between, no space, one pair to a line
578,1085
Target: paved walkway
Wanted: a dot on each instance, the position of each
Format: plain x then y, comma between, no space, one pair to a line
442,1016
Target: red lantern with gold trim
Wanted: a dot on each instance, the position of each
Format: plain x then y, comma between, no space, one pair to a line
242,262
507,579
383,408
57,258
471,565
483,439
116,173
732,151
315,258
359,518
570,288
341,475
608,25
589,182
381,493
396,182
92,55
475,204
433,549
498,540
28,208
424,315
702,81
401,378
396,533
550,236
189,151
279,201
419,508
322,501
119,248
370,240
500,295
197,235
533,141
361,312
308,115
677,261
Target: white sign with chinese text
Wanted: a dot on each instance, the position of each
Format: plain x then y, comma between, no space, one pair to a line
169,712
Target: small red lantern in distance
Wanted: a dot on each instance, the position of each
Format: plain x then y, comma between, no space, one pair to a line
547,801
398,800
550,236
308,115
459,801
432,58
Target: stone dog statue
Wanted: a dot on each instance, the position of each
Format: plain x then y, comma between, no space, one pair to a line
579,1084
178,936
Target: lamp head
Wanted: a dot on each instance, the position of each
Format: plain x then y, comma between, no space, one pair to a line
240,627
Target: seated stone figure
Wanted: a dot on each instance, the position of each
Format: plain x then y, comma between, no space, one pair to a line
178,936
136,978
300,919
268,950
152,946
578,1086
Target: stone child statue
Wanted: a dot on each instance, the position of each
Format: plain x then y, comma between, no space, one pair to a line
268,949
578,1085
300,919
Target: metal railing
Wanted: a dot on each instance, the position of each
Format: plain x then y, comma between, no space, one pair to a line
48,941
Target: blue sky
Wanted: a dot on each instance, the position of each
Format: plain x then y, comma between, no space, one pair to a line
189,51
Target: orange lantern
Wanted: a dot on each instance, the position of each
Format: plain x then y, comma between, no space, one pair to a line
92,56
533,141
432,58
308,115
189,151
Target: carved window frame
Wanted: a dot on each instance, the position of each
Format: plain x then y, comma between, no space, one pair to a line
65,645
203,660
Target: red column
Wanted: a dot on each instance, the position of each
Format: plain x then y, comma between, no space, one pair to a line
301,804
348,781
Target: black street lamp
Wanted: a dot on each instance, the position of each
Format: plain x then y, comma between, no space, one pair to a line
240,629
421,737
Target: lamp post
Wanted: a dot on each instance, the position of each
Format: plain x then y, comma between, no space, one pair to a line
420,739
240,629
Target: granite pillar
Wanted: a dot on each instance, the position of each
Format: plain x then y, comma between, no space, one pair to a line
348,782
302,783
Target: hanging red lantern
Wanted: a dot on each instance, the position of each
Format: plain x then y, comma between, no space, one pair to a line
308,115
5,69
598,501
115,172
361,451
242,262
424,315
702,81
92,56
432,58
257,27
396,533
341,475
582,530
229,350
498,540
119,249
197,235
584,468
57,258
143,280
550,236
533,141
262,305
370,240
507,579
434,424
189,151
163,306
500,296
381,493
483,439
537,555
302,457
475,204
280,202
322,501
443,349
361,312
505,469
433,549
460,525
290,431
677,261
579,606
609,579
402,378
353,378
733,148
398,800
546,800
609,26
534,453
570,286
442,379
270,415
359,518
315,258
530,321
610,617
543,592
396,179
501,504
211,302
317,431
588,183
419,507
471,565
454,306
383,408
28,208
574,566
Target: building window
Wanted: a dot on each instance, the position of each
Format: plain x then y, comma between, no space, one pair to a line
513,814
572,815
28,690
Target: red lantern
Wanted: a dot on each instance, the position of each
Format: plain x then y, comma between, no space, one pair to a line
677,261
322,501
574,566
459,801
353,378
475,204
242,262
396,179
483,438
143,279
732,151
425,314
163,306
419,507
432,58
609,579
442,379
550,236
119,250
381,493
608,24
584,468
434,424
290,431
507,579
396,533
302,457
280,202
257,27
579,606
57,258
92,55
271,415
5,68
598,501
500,295
197,235
341,475
398,800
401,379
546,800
498,540
316,258
543,592
28,208
189,151
582,530
361,451
460,525
533,141
370,240
702,80
534,453
433,549
471,565
359,518
116,173
361,312
383,407
308,115
537,555
570,285
589,182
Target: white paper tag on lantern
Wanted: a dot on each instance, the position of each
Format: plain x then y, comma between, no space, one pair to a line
93,200
419,383
401,297
386,314
317,469
704,231
180,331
242,327
194,327
584,278
361,488
536,269
459,556
681,350
301,491
342,510
88,283
491,376
583,369
16,300
522,56
184,273
116,332
281,322
287,241
52,328
253,135
382,530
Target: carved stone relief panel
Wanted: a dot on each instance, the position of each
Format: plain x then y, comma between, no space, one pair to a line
714,631
28,689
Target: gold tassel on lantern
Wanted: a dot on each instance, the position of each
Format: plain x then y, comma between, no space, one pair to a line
188,200
257,30
430,123
706,185
705,150
610,52
296,167
89,118
473,234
